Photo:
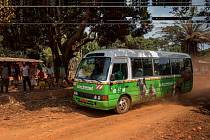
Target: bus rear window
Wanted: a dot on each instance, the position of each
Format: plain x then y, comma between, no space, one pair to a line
187,65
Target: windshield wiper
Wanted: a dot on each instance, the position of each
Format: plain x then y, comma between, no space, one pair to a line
84,79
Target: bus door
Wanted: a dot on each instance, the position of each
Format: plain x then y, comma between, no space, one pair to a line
118,76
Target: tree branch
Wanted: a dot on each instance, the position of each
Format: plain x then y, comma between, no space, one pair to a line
83,42
77,36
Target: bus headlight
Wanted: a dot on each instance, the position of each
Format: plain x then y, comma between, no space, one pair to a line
99,98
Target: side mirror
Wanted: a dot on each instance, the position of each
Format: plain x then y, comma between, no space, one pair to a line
112,78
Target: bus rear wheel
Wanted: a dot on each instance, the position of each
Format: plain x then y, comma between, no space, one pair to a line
123,105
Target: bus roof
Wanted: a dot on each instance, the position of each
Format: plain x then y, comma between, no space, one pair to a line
136,53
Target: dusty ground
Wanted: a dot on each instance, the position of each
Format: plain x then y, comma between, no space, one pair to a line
53,115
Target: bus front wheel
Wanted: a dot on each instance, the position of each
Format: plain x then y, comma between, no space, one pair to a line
123,105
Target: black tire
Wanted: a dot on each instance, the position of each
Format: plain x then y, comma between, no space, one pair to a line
123,105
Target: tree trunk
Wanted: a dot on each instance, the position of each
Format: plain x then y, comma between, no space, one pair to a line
190,47
55,52
57,61
194,48
68,49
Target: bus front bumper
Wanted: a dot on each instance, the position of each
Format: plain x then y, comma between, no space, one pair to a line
102,105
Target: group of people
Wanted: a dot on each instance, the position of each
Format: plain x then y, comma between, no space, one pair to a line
27,73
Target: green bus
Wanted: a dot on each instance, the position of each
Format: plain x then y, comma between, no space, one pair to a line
118,78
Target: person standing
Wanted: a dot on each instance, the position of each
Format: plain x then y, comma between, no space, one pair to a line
50,76
16,75
63,79
50,72
5,78
26,77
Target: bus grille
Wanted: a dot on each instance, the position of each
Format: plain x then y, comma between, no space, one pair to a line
86,95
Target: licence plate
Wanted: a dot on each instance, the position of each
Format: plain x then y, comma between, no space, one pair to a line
83,100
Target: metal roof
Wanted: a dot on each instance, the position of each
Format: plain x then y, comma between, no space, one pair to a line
10,59
139,53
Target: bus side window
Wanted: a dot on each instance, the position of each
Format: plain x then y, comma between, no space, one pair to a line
137,68
147,67
156,67
176,65
162,66
120,71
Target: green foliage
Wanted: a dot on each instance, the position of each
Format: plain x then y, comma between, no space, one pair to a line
187,33
65,31
46,55
117,44
90,46
6,13
107,30
10,53
146,44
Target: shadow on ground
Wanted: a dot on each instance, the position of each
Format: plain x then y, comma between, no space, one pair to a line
59,100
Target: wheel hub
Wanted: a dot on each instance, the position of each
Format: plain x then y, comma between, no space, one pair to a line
123,104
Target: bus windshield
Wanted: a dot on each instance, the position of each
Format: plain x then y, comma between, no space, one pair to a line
93,68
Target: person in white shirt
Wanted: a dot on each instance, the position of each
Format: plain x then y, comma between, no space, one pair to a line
26,77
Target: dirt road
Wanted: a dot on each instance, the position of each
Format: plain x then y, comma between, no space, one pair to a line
139,123
163,120
175,118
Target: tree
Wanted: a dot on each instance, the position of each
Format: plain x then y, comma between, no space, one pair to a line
111,25
188,33
66,29
6,13
154,44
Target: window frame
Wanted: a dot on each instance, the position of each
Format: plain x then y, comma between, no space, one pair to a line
169,62
190,60
132,74
112,67
141,58
181,61
153,65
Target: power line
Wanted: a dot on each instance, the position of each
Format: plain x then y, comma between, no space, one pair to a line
125,2
96,6
114,23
